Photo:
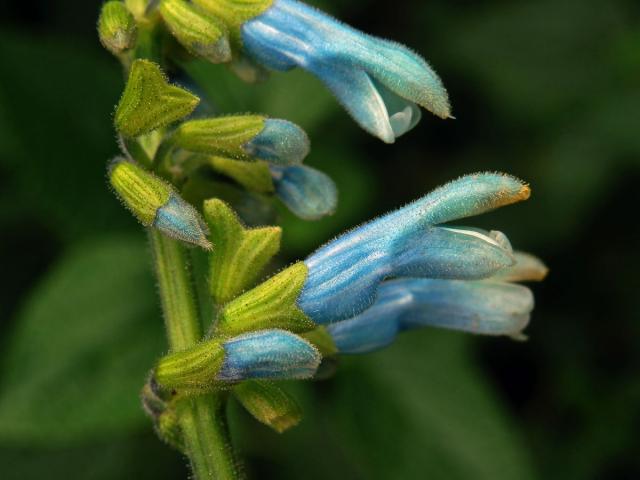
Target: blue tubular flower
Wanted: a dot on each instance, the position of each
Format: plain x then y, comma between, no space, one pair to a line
270,354
481,307
379,82
308,193
280,141
344,275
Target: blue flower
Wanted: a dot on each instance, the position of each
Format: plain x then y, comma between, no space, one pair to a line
379,82
488,307
273,354
305,191
344,275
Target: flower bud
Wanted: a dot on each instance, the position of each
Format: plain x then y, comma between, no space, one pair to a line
244,137
150,102
116,27
198,32
267,354
268,404
154,203
307,192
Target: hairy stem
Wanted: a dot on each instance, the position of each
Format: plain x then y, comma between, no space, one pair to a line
202,418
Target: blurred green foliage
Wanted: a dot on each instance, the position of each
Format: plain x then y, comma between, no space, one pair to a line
546,90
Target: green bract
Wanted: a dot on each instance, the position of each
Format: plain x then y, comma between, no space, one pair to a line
150,102
269,404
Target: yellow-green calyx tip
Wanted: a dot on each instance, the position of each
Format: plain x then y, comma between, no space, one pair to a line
150,102
272,304
142,192
116,27
199,32
234,13
224,136
241,253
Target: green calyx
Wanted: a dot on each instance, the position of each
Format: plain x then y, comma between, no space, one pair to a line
234,12
116,27
190,371
200,33
253,176
141,192
223,136
272,304
240,253
268,404
150,102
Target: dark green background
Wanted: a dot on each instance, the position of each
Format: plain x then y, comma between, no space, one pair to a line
546,90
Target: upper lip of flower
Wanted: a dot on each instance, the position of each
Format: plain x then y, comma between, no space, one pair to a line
379,82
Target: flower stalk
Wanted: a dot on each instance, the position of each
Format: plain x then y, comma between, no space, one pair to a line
201,417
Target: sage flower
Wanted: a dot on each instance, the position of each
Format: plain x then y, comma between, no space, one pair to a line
379,82
344,275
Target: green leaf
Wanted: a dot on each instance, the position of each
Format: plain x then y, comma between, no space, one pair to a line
239,253
421,410
150,102
82,346
272,304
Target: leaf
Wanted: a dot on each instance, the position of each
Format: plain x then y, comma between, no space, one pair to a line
74,365
421,410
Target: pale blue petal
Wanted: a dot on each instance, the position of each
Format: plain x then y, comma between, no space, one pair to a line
271,354
344,275
377,81
480,307
178,219
308,193
280,142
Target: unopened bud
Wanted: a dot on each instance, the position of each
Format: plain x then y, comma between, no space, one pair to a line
245,137
116,27
198,32
155,204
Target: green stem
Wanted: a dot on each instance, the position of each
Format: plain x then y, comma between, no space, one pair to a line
201,418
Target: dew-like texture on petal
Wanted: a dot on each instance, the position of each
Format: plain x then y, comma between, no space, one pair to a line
308,193
280,142
269,354
344,274
377,81
481,307
178,219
